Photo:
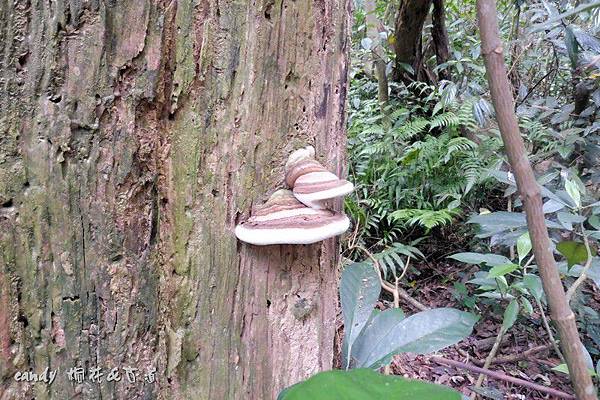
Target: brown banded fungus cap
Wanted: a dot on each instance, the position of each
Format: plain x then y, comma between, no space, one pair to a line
284,220
310,181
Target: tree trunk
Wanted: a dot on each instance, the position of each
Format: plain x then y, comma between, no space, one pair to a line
378,53
408,28
134,136
491,48
439,34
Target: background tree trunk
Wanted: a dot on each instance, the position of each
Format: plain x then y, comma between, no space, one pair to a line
133,137
408,28
378,54
439,35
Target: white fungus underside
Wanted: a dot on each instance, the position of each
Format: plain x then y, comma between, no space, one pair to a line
266,236
316,177
286,214
315,200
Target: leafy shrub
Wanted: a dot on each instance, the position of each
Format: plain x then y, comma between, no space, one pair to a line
414,166
372,337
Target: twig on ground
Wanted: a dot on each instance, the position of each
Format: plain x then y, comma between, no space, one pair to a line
487,343
515,357
502,376
489,358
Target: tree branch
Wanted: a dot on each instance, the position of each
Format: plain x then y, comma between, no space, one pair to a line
529,190
503,377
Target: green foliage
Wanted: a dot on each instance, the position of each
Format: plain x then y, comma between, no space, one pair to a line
574,252
389,259
359,290
414,167
365,384
571,215
433,155
373,337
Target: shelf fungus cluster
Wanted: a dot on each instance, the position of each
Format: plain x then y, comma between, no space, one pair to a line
299,215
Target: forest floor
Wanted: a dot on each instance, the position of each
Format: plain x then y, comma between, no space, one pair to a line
435,289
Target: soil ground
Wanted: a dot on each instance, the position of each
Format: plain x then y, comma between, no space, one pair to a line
435,289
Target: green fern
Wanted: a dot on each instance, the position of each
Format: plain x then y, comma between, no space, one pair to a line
428,219
390,259
419,168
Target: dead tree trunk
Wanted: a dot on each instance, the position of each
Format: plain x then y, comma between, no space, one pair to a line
133,136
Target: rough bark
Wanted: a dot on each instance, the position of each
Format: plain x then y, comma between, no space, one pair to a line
503,101
408,28
439,35
134,135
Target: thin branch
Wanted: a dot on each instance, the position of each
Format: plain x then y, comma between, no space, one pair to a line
533,88
503,377
583,276
489,359
550,334
562,315
515,357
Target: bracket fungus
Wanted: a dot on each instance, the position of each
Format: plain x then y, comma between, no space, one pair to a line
311,182
300,215
284,220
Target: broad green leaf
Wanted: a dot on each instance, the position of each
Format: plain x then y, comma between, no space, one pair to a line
572,46
501,221
552,206
565,370
359,291
424,332
374,334
573,190
574,252
523,246
510,315
594,221
496,295
527,305
502,284
365,384
567,219
501,270
588,358
561,368
593,273
479,258
366,43
534,284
